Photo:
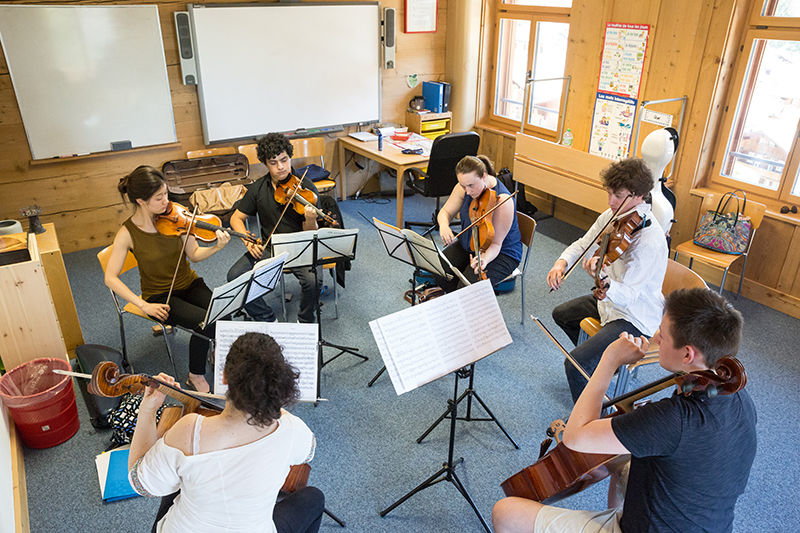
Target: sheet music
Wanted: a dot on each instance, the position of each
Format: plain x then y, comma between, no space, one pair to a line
394,240
336,242
332,243
299,343
266,274
447,335
228,297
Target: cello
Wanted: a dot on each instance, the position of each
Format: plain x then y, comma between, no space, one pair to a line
562,472
107,381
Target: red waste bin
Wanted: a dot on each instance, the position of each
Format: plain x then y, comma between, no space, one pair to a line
41,402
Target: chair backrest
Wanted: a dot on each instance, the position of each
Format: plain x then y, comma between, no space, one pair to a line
223,150
446,152
251,151
679,276
527,229
104,255
754,210
308,148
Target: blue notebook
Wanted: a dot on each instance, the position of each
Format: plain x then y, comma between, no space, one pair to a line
112,473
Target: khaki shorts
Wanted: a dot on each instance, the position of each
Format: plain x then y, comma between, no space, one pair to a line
557,520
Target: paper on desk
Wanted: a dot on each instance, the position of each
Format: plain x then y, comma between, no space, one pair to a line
427,341
299,343
414,142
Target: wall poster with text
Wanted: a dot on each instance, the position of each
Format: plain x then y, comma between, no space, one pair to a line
612,125
624,51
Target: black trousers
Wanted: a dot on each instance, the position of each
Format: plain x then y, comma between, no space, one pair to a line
498,270
298,512
187,308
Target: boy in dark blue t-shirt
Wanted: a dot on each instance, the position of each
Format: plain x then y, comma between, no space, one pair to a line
690,455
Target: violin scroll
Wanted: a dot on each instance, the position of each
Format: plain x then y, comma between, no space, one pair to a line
108,382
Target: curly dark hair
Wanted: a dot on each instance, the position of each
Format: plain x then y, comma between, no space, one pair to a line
631,174
704,319
260,381
271,145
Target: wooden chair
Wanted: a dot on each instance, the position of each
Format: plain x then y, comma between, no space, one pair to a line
310,148
677,276
527,227
754,210
130,263
207,152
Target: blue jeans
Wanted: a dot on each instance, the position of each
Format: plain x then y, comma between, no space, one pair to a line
568,316
258,308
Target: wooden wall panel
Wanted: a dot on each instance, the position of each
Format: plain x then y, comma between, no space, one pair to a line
79,194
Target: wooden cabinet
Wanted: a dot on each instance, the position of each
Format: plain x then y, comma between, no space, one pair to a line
431,125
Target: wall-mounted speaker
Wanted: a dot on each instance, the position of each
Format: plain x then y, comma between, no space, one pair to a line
183,31
389,31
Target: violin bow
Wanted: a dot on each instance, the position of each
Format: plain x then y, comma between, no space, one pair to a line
180,256
489,212
594,239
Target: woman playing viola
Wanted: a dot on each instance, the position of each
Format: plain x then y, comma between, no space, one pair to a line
223,473
475,177
157,256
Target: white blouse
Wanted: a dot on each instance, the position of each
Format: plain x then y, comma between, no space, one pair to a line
224,490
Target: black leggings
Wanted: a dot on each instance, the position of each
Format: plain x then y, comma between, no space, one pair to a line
187,308
298,512
497,270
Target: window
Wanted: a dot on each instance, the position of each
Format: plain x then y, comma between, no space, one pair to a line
759,150
531,41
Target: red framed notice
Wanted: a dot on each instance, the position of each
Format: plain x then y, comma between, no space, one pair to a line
422,16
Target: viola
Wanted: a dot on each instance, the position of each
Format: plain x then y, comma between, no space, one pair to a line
614,241
107,381
291,190
177,220
562,472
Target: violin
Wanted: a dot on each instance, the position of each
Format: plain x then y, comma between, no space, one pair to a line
562,472
177,220
107,381
290,190
482,233
613,242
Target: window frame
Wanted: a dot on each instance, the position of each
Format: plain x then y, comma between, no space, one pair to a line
767,28
533,14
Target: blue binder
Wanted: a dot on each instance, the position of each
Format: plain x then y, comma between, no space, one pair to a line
436,95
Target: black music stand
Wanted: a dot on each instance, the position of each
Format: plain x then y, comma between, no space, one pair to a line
305,249
422,254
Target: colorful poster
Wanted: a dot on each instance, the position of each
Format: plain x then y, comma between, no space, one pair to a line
623,59
612,126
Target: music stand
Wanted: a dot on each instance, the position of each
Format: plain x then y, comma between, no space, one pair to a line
414,362
312,249
414,250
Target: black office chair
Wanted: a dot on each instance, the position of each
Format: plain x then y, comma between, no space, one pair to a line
440,178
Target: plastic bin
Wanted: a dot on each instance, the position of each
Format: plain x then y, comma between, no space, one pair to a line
41,403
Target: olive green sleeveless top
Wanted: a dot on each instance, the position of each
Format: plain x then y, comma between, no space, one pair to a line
157,255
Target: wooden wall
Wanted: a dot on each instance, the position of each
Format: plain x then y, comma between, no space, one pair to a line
692,50
79,195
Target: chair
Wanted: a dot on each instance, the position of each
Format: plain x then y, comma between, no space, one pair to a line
440,177
527,227
207,152
754,210
313,147
677,276
130,262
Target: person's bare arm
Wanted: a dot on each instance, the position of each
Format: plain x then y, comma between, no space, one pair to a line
448,211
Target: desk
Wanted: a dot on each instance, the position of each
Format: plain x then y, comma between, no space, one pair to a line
390,156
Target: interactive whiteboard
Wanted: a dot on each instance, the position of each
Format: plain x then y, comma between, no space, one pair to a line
279,67
88,76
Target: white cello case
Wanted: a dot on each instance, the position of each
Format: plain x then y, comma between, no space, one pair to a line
657,151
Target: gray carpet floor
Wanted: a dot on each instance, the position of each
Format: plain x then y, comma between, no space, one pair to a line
367,456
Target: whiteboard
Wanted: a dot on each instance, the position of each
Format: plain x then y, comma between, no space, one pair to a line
284,67
87,76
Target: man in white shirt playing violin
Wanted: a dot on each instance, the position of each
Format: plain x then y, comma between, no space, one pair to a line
629,297
690,454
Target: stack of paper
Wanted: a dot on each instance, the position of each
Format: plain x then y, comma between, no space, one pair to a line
112,472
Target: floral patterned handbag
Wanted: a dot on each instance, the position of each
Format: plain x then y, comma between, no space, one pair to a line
728,233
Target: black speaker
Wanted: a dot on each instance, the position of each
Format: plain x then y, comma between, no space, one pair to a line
183,32
389,26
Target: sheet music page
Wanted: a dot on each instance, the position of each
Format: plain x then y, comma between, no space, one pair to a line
393,239
297,246
266,274
228,297
425,254
427,341
336,242
299,343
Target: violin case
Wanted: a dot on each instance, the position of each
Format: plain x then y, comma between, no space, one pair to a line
88,356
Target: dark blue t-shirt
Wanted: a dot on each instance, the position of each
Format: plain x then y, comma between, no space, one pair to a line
691,457
512,244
